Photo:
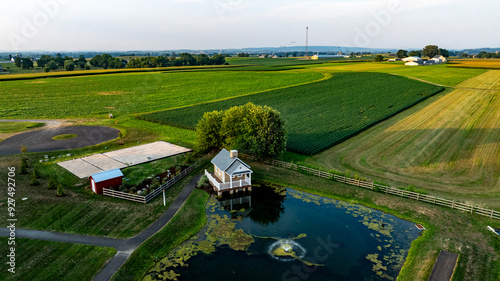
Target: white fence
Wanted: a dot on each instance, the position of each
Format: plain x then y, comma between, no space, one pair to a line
490,213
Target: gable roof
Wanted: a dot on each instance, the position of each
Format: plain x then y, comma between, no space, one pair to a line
223,160
233,168
107,175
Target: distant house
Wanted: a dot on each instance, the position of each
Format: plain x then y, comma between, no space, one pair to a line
394,59
107,179
410,59
230,173
439,59
323,57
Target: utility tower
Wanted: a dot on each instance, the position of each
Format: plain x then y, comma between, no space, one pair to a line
307,41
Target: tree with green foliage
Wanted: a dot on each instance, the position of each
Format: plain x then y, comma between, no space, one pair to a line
255,130
36,173
18,61
415,53
208,131
430,51
60,190
52,65
402,54
81,61
445,53
26,63
69,65
24,166
34,181
52,184
379,58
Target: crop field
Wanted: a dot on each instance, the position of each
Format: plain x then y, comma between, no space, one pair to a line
38,260
476,63
450,145
324,113
119,94
272,61
439,74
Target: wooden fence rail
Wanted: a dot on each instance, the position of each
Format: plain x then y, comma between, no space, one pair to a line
490,213
156,192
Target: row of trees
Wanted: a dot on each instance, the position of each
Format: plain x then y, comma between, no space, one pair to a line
184,59
255,130
428,51
107,61
486,55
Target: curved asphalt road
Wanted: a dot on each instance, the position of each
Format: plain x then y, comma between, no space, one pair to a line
41,140
124,247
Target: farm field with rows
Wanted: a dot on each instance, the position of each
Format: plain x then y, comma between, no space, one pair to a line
119,94
452,137
321,114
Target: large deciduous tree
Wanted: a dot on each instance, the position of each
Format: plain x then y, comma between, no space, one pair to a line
255,130
415,53
402,54
430,51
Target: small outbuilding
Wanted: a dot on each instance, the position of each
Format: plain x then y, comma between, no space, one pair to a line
107,179
230,173
411,59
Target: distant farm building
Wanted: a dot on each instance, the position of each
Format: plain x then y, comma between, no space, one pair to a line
439,59
394,59
325,57
412,59
230,173
107,179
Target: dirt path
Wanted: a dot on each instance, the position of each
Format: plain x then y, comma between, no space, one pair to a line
124,247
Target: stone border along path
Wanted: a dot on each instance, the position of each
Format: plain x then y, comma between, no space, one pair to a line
124,247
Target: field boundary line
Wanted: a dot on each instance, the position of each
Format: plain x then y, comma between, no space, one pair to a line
325,77
371,185
421,80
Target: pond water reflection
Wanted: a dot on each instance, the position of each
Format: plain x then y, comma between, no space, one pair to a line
278,233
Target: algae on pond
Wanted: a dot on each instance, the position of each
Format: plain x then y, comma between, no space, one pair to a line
277,229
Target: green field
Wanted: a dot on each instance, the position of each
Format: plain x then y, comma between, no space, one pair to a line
119,94
11,127
320,114
38,260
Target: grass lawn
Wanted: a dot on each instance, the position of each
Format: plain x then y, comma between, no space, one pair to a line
38,260
81,211
338,107
447,229
187,222
449,144
11,127
122,94
64,137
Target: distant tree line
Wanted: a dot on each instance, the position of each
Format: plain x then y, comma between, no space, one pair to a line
48,62
243,55
428,51
184,59
486,55
107,61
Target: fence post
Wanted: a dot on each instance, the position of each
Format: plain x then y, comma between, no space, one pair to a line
452,205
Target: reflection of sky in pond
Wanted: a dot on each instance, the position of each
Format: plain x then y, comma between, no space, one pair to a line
350,242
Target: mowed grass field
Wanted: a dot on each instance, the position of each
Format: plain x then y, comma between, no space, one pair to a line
44,260
320,114
450,144
120,94
476,63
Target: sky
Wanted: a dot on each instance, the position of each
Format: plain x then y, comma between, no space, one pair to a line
100,25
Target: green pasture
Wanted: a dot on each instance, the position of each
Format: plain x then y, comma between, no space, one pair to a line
38,260
10,127
121,94
321,114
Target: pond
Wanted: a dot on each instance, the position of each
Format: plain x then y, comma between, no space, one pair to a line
277,233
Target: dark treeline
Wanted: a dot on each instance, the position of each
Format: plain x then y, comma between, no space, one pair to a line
184,59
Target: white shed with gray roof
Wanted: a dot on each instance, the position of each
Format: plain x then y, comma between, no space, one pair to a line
230,173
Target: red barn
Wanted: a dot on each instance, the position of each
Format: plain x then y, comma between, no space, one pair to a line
107,179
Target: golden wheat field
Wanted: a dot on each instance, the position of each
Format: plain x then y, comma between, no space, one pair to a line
450,143
476,63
